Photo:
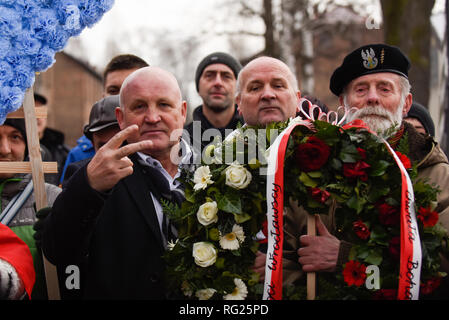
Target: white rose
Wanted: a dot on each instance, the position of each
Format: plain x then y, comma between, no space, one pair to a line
205,294
237,176
202,178
207,213
204,254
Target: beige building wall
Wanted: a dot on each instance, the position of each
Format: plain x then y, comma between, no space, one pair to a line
71,88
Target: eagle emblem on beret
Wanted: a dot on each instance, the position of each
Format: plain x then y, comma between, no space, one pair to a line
369,59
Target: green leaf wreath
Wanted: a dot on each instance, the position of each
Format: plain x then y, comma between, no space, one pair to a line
225,209
353,167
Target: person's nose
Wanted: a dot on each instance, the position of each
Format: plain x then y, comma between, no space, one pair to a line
5,148
372,97
268,93
152,115
218,81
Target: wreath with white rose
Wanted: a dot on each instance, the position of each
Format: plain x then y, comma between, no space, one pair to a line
225,209
217,225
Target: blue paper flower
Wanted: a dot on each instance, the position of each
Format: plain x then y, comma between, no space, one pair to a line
68,14
44,24
22,78
28,8
7,2
31,32
44,59
10,22
90,12
27,44
57,39
5,46
11,99
6,72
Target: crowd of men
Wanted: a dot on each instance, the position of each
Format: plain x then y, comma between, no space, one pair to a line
108,220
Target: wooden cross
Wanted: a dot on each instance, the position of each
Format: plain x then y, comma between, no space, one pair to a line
37,168
311,276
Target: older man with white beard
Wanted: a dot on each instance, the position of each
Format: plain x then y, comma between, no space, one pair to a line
373,82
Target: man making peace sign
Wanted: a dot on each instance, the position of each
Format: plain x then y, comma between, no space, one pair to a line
110,210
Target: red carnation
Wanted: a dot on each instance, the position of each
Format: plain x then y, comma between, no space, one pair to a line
385,294
405,160
358,169
312,155
430,285
394,247
428,217
361,230
388,215
357,123
354,273
362,153
319,195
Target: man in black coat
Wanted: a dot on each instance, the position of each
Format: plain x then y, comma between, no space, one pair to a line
109,210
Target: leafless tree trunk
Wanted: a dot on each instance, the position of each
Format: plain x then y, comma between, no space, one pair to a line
407,25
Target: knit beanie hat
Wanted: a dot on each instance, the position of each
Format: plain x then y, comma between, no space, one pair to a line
217,57
419,112
19,124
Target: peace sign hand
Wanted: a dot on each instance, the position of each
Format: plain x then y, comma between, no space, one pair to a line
111,163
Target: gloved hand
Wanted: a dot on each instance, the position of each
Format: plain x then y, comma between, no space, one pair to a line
38,227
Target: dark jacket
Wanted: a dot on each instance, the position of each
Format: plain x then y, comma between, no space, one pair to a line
117,231
197,140
53,141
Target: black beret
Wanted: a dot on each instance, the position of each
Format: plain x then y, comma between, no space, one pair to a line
419,112
372,58
217,57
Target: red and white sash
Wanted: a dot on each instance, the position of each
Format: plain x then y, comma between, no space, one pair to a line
275,212
411,252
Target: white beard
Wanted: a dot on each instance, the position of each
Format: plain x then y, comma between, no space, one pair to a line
377,118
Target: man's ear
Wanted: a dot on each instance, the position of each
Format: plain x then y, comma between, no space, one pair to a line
237,102
184,110
407,104
298,95
119,116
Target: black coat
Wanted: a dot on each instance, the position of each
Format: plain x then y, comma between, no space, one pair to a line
118,232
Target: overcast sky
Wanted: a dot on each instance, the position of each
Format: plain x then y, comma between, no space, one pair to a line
176,17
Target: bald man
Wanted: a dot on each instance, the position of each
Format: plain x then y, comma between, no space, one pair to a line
267,91
110,210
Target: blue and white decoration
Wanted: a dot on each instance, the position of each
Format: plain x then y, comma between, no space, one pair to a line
31,32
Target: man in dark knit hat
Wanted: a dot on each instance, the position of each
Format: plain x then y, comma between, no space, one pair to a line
215,79
373,80
420,118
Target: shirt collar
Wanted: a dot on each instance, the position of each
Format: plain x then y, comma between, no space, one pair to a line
185,160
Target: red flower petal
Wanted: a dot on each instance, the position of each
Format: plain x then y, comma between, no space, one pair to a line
354,273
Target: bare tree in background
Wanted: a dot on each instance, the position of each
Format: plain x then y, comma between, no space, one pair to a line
407,25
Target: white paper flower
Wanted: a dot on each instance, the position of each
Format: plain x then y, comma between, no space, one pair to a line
202,178
171,244
240,291
204,254
232,240
205,294
207,213
237,176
